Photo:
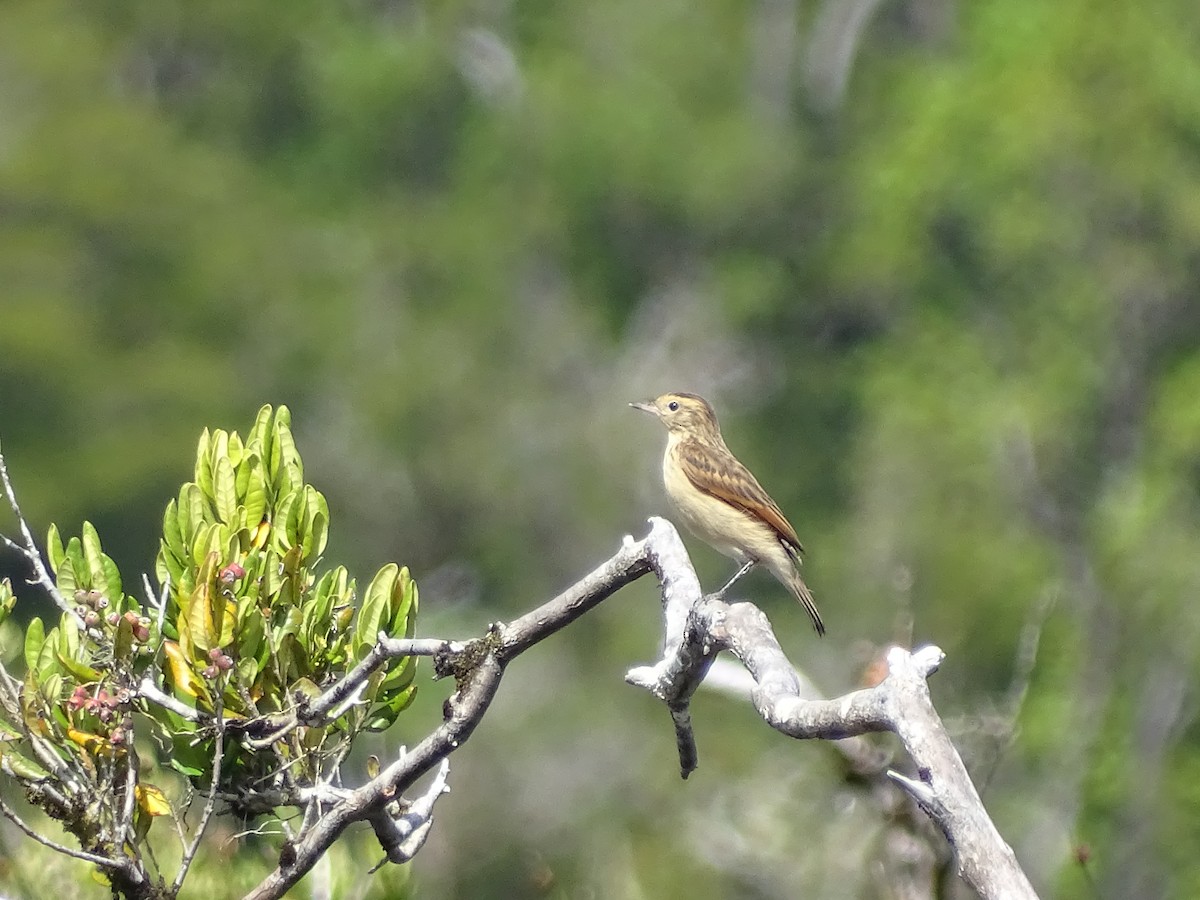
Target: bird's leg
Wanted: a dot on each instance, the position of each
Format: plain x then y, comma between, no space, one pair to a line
746,567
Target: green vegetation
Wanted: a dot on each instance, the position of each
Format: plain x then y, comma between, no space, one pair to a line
241,627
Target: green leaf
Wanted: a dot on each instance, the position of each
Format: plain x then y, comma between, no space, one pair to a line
103,572
8,600
373,613
54,548
50,685
249,632
66,580
123,640
252,488
190,771
399,677
404,607
294,526
167,565
172,536
20,767
289,474
192,515
225,491
206,609
318,522
203,464
81,670
385,715
213,539
247,669
47,662
35,637
234,450
68,637
218,450
319,605
263,434
279,525
91,555
74,555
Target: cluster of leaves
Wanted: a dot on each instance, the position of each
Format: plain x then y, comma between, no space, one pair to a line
248,621
70,721
243,629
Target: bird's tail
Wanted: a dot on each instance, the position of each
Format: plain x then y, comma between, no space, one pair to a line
797,586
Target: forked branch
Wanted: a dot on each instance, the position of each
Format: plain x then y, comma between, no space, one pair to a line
696,628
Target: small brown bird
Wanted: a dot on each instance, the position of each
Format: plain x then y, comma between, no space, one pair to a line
720,501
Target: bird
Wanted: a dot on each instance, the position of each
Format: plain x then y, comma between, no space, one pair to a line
720,502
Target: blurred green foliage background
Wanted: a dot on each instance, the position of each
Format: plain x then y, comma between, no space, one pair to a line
935,262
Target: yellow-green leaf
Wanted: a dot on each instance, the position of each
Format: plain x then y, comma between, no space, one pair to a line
35,637
16,765
172,536
151,800
180,671
8,600
123,639
235,449
203,465
54,547
252,488
225,491
80,670
373,613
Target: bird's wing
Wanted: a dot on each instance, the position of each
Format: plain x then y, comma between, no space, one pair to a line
725,478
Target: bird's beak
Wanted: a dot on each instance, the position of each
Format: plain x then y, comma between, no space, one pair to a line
646,406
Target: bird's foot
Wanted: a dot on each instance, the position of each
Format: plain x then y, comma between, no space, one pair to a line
746,567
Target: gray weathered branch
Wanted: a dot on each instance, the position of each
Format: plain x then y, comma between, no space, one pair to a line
899,704
696,628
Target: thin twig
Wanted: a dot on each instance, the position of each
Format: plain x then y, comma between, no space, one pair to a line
211,802
30,551
338,697
131,763
94,858
160,602
148,689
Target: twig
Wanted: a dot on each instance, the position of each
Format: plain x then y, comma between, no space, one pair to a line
157,602
337,698
478,667
131,763
30,550
401,837
93,858
149,690
900,704
211,802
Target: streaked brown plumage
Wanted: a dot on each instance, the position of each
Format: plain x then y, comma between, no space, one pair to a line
720,501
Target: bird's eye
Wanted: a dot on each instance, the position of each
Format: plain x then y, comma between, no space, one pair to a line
673,405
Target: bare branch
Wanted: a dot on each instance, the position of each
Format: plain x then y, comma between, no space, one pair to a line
386,648
334,701
93,858
899,704
131,773
210,803
696,630
401,837
478,667
151,691
158,602
30,549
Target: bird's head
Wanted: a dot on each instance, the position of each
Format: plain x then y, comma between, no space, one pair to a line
682,413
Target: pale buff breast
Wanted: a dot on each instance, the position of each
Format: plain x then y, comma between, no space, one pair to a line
725,528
